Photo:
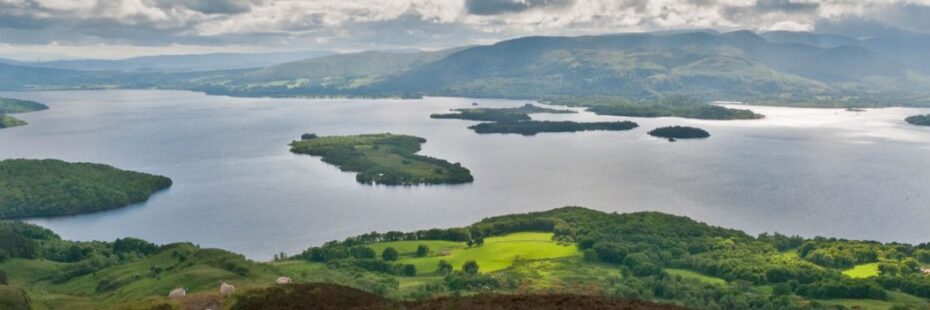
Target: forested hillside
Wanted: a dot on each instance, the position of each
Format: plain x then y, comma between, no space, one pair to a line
641,256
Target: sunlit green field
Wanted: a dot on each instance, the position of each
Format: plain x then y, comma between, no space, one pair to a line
496,254
862,271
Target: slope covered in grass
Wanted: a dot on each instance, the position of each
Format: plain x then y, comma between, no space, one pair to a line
497,253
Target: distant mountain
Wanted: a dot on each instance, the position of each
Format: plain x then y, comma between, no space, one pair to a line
327,75
181,63
772,67
807,38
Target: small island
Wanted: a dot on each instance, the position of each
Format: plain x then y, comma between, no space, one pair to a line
530,128
679,132
499,115
919,120
7,121
674,106
39,188
10,106
384,158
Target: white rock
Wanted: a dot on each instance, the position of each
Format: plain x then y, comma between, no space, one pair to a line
283,280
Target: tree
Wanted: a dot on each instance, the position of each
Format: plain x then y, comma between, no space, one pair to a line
409,270
422,250
781,289
389,254
444,267
470,267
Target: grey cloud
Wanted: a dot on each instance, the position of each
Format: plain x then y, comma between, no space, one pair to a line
210,6
788,6
495,7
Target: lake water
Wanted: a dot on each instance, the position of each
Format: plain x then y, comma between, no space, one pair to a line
862,175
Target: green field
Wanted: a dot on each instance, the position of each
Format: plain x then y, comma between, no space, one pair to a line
496,254
694,275
862,271
383,159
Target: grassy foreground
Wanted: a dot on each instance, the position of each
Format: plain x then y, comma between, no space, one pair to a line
638,256
383,159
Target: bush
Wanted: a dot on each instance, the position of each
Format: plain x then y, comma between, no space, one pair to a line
470,267
444,267
422,251
389,254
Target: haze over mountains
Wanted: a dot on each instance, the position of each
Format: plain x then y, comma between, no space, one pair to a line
776,67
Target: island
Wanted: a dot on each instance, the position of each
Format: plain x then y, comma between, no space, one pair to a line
7,121
41,188
10,106
919,120
679,132
673,106
384,158
530,128
499,115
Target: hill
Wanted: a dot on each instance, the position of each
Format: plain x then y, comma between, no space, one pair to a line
30,188
180,63
334,75
785,68
321,295
518,259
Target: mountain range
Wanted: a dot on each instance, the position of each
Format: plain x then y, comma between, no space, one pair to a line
795,68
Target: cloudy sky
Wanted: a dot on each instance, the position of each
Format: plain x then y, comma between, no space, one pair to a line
31,29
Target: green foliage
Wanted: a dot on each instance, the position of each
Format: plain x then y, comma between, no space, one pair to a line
919,120
529,128
470,267
498,115
471,281
422,250
679,132
444,267
7,121
389,254
383,159
52,187
845,288
671,106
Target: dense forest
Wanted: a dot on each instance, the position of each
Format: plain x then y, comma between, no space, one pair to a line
670,106
919,120
383,159
529,128
679,132
30,188
499,114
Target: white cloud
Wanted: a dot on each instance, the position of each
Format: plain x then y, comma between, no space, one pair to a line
361,24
